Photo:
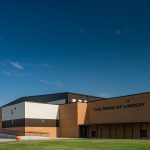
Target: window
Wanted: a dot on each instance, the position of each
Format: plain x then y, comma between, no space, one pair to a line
143,133
93,134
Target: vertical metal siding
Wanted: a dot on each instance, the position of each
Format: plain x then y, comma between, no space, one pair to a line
13,112
41,111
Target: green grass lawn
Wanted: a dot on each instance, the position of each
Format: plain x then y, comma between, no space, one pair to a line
83,144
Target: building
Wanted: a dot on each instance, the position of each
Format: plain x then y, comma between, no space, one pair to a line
76,115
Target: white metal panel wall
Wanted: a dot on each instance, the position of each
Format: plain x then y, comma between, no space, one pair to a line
41,111
12,112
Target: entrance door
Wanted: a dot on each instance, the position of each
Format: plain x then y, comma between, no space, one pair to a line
83,131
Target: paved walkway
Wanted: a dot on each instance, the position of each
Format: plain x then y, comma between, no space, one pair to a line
37,138
7,140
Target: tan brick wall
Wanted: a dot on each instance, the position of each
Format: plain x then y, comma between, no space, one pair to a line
49,131
71,116
124,115
82,113
68,120
36,131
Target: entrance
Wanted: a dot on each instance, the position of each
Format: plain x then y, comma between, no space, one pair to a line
83,131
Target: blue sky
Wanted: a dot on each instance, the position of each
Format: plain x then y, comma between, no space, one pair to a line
94,47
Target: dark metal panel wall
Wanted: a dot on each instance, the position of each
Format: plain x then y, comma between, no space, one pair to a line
30,123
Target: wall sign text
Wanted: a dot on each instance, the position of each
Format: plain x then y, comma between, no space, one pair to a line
122,106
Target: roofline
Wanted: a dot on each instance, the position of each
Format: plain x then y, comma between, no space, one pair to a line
129,95
86,95
121,96
42,95
63,93
31,96
98,98
54,94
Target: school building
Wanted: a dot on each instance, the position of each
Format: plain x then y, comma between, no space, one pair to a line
78,116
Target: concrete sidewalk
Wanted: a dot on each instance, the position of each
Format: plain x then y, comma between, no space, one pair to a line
7,140
35,138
